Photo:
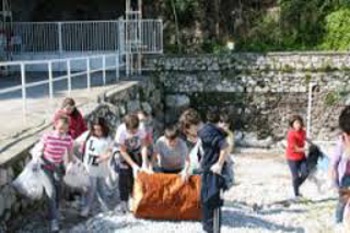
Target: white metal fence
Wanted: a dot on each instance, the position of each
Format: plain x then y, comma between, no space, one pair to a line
108,62
84,36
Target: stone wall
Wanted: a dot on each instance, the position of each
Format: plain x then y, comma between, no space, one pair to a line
261,91
113,105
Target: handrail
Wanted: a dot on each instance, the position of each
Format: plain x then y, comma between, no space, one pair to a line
115,58
58,60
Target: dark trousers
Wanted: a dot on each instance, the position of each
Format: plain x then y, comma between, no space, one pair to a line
345,183
211,215
299,173
54,200
211,202
126,183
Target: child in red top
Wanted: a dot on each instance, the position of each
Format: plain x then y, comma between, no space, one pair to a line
295,153
77,124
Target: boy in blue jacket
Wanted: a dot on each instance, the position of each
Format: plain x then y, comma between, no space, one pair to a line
214,145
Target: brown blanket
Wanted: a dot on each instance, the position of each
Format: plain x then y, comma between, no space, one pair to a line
166,197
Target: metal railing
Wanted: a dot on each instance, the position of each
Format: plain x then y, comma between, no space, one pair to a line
108,62
83,36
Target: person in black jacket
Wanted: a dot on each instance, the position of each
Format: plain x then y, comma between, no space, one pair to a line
214,146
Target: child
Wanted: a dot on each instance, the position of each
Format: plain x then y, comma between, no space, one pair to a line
97,148
340,163
146,124
215,150
55,145
295,153
172,152
225,125
189,124
77,124
132,143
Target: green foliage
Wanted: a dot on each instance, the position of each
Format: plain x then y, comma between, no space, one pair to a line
337,27
331,98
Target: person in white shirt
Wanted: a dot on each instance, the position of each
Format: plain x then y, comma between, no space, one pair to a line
133,155
97,148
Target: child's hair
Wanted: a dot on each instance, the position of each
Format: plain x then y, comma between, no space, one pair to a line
62,117
101,122
225,118
344,120
131,121
70,102
171,132
295,118
213,116
189,117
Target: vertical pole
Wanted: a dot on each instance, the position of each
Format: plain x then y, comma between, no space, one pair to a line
117,67
88,73
24,94
309,106
50,80
69,78
104,69
60,44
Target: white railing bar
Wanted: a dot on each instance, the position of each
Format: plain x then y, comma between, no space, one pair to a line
50,79
35,84
69,77
88,73
66,22
37,62
104,70
10,89
24,94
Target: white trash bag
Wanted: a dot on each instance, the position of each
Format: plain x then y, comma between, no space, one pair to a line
32,181
77,175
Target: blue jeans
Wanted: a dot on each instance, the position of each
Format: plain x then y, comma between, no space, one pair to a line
54,201
97,188
339,212
299,174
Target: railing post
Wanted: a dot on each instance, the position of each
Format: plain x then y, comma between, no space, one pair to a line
50,79
69,78
104,69
24,93
88,73
117,67
60,43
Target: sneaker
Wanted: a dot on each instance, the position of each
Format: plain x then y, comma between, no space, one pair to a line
84,212
122,207
54,226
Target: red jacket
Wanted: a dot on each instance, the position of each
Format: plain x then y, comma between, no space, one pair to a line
295,138
77,124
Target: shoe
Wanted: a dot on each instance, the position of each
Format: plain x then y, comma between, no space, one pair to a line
122,207
54,227
84,212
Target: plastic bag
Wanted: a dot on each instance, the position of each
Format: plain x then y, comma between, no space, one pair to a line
30,182
112,178
77,175
194,160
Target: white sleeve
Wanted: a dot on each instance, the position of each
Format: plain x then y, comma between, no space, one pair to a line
82,138
118,135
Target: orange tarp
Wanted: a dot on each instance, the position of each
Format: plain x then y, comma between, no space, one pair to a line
166,197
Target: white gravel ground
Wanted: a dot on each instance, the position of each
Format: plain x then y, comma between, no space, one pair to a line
259,203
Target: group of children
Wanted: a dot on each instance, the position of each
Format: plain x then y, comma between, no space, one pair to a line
187,147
